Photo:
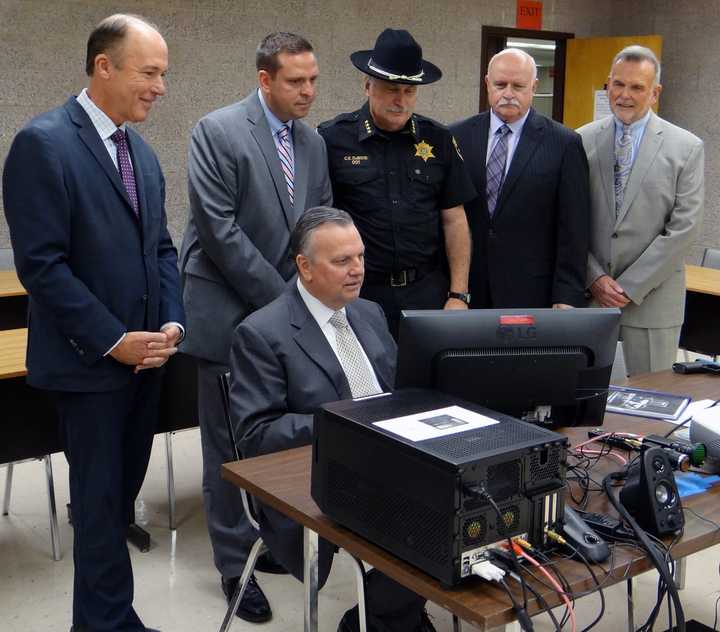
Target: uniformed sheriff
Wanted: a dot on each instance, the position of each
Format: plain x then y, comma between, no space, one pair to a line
402,178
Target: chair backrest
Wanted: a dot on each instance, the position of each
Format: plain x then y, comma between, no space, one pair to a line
224,386
7,262
711,258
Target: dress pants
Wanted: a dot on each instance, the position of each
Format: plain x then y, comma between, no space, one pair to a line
107,440
429,292
231,534
649,350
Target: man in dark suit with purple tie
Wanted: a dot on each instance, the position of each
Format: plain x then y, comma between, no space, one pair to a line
530,221
84,198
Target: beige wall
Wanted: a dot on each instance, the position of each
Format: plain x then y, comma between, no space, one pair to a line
212,45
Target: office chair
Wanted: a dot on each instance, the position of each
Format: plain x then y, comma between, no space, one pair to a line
258,548
711,258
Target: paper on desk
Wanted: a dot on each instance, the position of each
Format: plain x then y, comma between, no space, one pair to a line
435,423
692,409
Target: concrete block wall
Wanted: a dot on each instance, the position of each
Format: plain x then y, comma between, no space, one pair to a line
212,44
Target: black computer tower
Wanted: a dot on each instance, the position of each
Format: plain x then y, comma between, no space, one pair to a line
418,499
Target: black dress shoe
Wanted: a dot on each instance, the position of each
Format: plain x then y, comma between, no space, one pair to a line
266,563
254,606
349,623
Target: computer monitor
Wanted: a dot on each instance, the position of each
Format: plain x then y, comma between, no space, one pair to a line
546,366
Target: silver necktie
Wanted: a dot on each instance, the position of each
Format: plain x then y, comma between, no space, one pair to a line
351,358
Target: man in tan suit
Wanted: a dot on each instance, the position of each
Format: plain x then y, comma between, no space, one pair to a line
646,186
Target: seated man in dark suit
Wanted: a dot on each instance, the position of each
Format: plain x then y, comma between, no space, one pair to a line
316,343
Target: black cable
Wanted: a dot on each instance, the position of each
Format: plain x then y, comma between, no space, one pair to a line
584,560
545,607
659,563
716,615
697,515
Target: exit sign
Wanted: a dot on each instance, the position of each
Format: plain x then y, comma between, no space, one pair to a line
529,15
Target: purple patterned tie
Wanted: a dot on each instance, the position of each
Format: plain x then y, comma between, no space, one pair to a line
496,167
125,168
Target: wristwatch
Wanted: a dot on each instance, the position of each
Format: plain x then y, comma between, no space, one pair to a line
461,296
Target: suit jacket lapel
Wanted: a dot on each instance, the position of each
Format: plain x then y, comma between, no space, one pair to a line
605,149
312,341
260,131
649,146
376,352
302,164
530,138
89,136
480,138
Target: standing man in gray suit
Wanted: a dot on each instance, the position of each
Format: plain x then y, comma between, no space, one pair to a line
646,184
253,168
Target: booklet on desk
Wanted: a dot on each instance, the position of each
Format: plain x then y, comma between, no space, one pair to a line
642,403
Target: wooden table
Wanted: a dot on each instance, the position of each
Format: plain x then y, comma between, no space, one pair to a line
282,480
13,301
701,331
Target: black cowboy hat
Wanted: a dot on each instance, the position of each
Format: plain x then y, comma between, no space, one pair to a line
397,57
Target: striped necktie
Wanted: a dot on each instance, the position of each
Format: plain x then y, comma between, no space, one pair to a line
286,160
496,167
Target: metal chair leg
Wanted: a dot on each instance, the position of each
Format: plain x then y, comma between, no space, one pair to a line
8,488
310,578
255,552
630,605
54,531
360,583
170,479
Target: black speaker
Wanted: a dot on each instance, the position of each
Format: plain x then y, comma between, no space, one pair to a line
651,495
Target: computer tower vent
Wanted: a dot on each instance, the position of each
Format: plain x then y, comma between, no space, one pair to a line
503,480
388,515
474,531
510,519
545,464
471,443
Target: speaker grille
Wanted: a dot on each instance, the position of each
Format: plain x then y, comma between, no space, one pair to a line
545,464
476,442
482,352
388,514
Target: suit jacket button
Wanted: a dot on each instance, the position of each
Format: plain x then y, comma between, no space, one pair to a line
145,298
614,235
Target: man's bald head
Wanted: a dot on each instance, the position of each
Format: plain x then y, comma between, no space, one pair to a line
109,36
511,81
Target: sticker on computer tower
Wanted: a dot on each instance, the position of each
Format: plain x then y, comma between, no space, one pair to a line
431,424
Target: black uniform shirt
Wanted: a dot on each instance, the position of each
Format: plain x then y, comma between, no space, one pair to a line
394,184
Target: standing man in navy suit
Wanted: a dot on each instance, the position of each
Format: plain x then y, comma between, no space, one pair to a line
531,219
84,199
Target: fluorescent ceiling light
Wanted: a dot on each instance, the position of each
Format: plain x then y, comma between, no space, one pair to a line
512,44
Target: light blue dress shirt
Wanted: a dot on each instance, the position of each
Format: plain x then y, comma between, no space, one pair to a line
276,125
637,129
512,139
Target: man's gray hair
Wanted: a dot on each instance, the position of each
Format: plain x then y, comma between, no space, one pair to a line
309,222
638,54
